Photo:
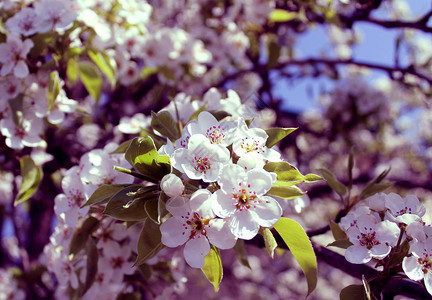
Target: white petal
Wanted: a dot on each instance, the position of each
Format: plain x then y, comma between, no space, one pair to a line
268,211
21,70
178,206
201,202
220,235
222,205
380,251
412,268
232,176
357,254
195,251
174,232
244,224
428,282
259,180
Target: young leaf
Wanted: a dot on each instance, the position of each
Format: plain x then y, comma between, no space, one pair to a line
277,134
104,193
91,79
213,267
149,243
337,232
122,206
143,156
281,15
16,106
53,89
92,265
31,177
286,192
333,182
105,64
298,242
341,244
353,292
81,235
72,70
240,250
164,123
285,172
312,177
269,241
151,208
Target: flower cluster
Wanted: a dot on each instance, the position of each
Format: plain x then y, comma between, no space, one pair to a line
382,228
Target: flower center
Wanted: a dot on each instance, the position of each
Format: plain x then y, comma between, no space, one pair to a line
368,240
405,210
202,164
215,134
243,198
196,225
250,145
426,263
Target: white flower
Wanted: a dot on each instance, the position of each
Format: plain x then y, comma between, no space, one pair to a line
194,223
201,160
68,205
351,219
419,265
13,54
241,199
404,211
25,135
54,14
217,132
371,239
133,125
25,22
172,185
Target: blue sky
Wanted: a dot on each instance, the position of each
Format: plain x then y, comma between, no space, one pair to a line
377,47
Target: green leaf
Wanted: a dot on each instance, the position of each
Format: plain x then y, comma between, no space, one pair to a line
53,89
312,177
398,256
149,243
16,106
92,265
31,177
300,246
72,70
147,72
91,79
213,267
151,207
277,134
269,241
353,292
281,15
285,172
164,123
129,296
104,193
286,192
81,235
337,232
340,244
373,189
240,250
333,182
162,211
122,148
143,156
274,51
122,206
105,63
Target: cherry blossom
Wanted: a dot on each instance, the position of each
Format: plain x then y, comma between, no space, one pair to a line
418,266
404,211
194,224
13,54
201,160
217,132
25,22
242,200
371,239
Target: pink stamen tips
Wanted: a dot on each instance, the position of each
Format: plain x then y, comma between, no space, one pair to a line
239,183
254,206
248,185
